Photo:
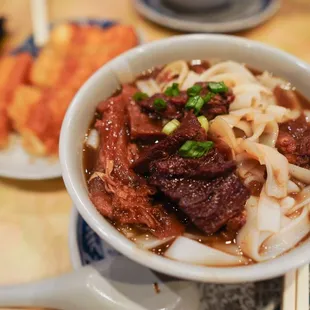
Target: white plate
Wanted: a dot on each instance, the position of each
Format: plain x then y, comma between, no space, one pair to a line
238,15
16,163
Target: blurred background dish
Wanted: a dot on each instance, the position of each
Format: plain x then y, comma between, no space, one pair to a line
38,85
232,16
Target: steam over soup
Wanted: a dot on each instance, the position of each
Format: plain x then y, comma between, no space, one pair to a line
203,162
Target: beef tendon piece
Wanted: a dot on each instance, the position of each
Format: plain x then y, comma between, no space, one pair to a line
116,191
294,141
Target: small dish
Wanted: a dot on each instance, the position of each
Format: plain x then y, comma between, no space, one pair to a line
236,16
86,247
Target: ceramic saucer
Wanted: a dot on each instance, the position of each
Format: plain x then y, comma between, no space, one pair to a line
235,16
86,247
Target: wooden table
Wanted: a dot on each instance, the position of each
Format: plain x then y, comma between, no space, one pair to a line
34,215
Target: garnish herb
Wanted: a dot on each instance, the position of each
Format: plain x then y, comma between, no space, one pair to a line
195,103
217,87
194,90
160,104
194,149
203,122
171,126
173,90
208,97
138,96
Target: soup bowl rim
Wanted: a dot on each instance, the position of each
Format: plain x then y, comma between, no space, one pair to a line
72,170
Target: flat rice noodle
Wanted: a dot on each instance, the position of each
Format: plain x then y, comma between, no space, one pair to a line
292,187
148,242
230,72
189,251
191,79
93,139
299,173
288,237
287,204
276,166
268,205
270,81
302,199
248,113
250,95
150,87
249,238
220,129
270,135
174,72
262,246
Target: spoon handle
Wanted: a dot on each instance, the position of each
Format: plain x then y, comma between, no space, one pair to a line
83,289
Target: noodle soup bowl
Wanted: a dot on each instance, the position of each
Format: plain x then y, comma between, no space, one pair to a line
124,69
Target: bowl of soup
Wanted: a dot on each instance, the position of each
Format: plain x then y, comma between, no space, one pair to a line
191,156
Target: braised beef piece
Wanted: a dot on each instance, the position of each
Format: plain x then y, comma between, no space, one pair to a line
294,141
287,98
236,223
207,167
141,126
205,189
219,104
190,129
116,191
209,204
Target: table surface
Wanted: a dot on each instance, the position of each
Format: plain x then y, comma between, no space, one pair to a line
34,215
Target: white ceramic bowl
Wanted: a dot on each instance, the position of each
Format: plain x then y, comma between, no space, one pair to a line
123,69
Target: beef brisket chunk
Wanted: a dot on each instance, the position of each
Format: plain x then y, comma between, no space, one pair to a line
294,141
190,129
209,166
209,204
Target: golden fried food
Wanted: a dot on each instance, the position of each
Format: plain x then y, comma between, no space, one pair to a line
34,102
24,99
13,71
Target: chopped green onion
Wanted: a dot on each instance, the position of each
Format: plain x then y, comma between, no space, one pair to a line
138,96
194,149
171,126
194,90
203,122
208,97
217,87
160,104
173,90
195,103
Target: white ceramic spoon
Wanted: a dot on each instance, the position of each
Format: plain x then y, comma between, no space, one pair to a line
111,284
